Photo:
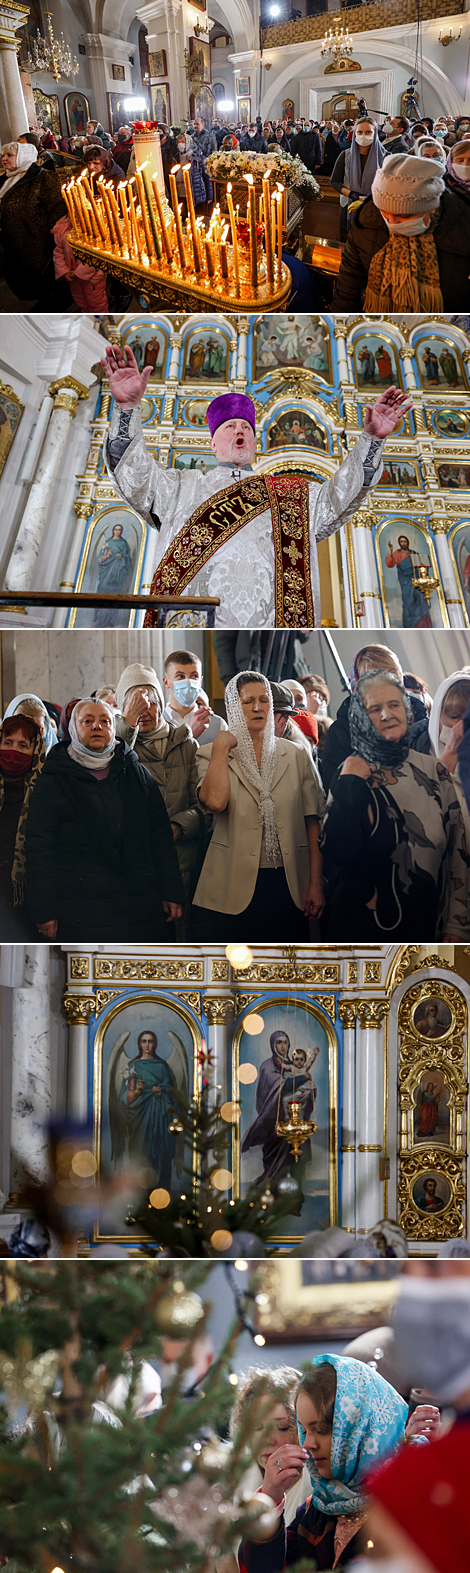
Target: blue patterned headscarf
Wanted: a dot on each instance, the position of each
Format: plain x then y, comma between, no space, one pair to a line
368,1425
50,738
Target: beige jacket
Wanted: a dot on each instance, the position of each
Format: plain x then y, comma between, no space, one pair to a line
230,869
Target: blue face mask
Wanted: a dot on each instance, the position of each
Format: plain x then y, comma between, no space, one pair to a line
186,690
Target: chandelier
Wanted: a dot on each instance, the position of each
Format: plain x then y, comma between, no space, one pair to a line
53,56
337,43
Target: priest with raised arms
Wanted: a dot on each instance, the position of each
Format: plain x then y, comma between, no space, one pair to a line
248,538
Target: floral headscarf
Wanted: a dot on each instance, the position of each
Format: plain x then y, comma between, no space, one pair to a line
18,872
365,738
368,1426
261,777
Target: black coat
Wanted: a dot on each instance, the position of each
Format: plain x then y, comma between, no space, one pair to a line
100,856
257,144
307,146
369,234
28,212
338,744
330,154
280,142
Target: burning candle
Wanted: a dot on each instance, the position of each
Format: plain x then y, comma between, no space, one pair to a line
159,208
223,253
191,216
177,215
96,216
134,224
145,217
236,260
209,258
84,211
252,228
109,213
70,209
115,211
279,196
268,234
148,198
123,200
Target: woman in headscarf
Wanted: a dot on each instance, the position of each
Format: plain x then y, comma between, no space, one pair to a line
30,203
261,878
349,1419
446,731
371,658
279,1078
30,705
264,1417
100,856
393,841
355,168
457,173
21,761
408,245
65,715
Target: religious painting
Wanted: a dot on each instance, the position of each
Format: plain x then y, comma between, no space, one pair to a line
293,1060
199,60
11,411
376,362
244,111
451,423
288,109
439,364
431,1193
460,546
400,472
201,5
194,461
308,1301
119,74
48,110
431,1114
111,563
453,477
202,104
243,87
77,111
118,115
408,567
432,1017
161,104
157,63
149,343
298,429
195,411
145,1059
301,341
206,356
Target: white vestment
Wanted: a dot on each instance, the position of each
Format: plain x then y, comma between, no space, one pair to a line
241,572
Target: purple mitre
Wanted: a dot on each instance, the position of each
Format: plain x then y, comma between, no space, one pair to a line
227,407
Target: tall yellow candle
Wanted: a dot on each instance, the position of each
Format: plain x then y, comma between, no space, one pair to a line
100,229
268,233
134,224
177,216
145,217
223,253
109,214
122,194
192,216
252,229
85,211
210,259
69,205
279,228
148,198
158,204
115,211
233,227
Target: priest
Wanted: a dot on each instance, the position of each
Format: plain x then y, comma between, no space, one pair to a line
248,538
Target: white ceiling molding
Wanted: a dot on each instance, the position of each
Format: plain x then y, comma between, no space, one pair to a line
364,44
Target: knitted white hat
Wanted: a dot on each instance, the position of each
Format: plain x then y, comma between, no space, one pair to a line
137,676
406,184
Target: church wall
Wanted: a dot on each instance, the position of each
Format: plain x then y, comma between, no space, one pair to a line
444,86
62,664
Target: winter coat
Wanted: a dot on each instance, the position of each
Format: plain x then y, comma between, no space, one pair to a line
330,154
398,144
100,855
205,141
28,212
338,744
114,173
280,142
88,286
344,140
103,136
257,144
368,234
121,155
201,185
176,776
307,146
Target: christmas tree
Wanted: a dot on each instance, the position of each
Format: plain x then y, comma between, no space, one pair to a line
90,1480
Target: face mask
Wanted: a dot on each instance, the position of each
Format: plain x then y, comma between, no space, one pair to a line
186,690
13,762
388,128
416,225
444,734
440,1360
462,171
365,139
252,134
441,131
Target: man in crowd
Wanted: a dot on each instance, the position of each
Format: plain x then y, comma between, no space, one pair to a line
186,700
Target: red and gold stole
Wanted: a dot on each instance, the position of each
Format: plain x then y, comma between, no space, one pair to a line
221,517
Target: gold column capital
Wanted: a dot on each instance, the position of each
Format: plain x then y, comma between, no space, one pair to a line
79,1009
70,383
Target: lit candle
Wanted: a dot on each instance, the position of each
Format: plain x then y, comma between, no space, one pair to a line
209,259
177,216
268,234
192,216
252,228
68,203
134,224
115,211
279,196
122,193
100,229
83,210
148,198
145,217
223,253
236,263
158,203
109,214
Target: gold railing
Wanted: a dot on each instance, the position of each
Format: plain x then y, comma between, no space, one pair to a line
360,19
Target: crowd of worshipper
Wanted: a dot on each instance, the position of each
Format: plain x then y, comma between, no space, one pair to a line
140,814
404,203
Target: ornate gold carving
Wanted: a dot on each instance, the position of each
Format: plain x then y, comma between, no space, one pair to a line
79,1008
104,996
194,1000
328,1003
219,971
369,1013
443,1225
369,1147
372,971
347,1147
451,1044
352,971
290,972
347,1012
243,1000
400,966
66,400
218,1010
78,388
435,960
79,967
127,968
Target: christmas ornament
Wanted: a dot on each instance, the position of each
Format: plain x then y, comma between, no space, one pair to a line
267,1198
176,1128
179,1311
264,1515
213,1458
289,1188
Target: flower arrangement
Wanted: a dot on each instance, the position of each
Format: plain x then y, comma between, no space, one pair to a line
233,166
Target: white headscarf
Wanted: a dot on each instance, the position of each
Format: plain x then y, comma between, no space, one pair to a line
261,777
87,756
437,741
26,155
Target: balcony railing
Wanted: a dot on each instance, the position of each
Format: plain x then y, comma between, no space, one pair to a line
360,18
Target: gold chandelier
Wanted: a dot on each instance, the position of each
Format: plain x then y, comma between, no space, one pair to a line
339,44
53,56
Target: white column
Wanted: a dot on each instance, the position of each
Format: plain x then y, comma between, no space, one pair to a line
79,1008
37,439
243,331
22,562
348,1134
94,48
448,575
369,1105
218,1007
9,46
367,581
31,1071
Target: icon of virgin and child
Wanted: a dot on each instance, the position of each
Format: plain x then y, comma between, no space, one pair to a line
144,1095
285,1075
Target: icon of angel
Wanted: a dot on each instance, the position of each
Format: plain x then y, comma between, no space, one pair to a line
144,1093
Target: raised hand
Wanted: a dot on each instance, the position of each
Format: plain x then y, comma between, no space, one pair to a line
382,417
126,382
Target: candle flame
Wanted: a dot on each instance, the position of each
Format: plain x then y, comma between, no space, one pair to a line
229,185
175,169
249,178
224,236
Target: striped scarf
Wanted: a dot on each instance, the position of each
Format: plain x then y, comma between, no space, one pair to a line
18,872
404,276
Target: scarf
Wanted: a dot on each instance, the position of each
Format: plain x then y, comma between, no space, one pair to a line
404,276
452,179
261,777
438,743
360,176
26,155
86,756
152,745
368,1426
18,872
50,738
365,738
